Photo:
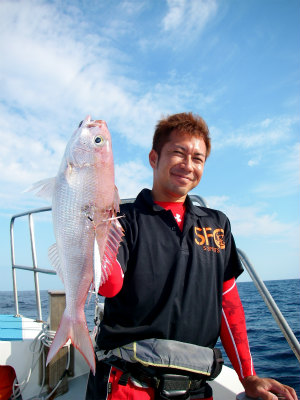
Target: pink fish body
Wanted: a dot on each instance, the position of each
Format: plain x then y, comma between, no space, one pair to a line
84,204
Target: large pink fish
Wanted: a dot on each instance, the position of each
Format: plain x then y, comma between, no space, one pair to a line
84,206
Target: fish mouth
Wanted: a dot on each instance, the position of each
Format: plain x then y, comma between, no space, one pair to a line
98,122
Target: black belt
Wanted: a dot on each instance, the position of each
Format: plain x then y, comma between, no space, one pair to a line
173,386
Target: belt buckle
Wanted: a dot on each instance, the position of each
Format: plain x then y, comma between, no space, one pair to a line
173,386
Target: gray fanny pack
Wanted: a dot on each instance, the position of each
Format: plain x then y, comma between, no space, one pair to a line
162,355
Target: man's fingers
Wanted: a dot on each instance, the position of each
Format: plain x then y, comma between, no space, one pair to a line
286,392
277,392
267,389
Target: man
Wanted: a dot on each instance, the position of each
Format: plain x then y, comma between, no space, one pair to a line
179,263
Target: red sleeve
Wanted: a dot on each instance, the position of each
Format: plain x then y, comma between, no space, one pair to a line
114,283
233,331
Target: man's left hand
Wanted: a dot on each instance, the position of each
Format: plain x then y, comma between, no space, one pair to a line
267,389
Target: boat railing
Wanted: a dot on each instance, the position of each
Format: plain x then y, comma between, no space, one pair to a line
34,268
261,287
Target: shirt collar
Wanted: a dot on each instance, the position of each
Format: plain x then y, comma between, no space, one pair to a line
145,196
197,210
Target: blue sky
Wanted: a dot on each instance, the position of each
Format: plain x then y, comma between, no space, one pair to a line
236,63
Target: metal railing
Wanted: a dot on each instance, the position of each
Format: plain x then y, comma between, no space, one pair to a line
262,289
34,268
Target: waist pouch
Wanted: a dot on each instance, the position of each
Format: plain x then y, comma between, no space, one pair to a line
156,362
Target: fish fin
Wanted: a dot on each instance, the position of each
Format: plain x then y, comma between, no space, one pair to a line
97,266
69,174
43,188
76,330
55,260
116,200
111,249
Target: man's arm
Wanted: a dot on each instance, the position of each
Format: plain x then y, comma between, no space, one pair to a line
233,331
235,341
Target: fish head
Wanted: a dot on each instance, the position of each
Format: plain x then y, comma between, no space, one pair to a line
90,144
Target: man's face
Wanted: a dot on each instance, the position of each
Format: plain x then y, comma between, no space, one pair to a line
179,167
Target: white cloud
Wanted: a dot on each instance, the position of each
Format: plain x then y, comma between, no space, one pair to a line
187,18
252,163
253,221
29,151
266,123
217,202
263,134
175,14
48,69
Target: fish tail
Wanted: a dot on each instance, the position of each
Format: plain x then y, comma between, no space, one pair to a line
76,330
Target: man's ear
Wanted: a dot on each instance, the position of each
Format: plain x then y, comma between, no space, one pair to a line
153,158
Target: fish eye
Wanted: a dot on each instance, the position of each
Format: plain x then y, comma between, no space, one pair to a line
98,140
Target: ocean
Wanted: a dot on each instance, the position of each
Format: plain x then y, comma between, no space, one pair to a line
272,356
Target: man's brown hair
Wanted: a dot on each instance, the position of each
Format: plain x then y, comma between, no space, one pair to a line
189,123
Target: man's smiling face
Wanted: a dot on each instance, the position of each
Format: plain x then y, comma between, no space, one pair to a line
179,167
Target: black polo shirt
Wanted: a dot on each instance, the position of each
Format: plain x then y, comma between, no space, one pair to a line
173,280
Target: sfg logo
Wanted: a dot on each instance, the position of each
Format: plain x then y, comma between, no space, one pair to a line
211,240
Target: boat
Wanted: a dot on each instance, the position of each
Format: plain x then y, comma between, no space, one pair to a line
23,340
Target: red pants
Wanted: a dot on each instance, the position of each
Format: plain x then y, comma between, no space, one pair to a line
105,386
130,391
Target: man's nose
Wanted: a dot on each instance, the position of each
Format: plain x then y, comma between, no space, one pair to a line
188,163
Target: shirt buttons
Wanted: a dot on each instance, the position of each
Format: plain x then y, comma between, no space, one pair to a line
173,228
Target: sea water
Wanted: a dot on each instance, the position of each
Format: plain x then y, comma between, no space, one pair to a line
272,356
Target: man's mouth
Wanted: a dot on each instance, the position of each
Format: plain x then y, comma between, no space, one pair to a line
181,177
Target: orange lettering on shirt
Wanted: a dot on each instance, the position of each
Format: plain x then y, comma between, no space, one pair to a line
201,237
207,235
219,238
